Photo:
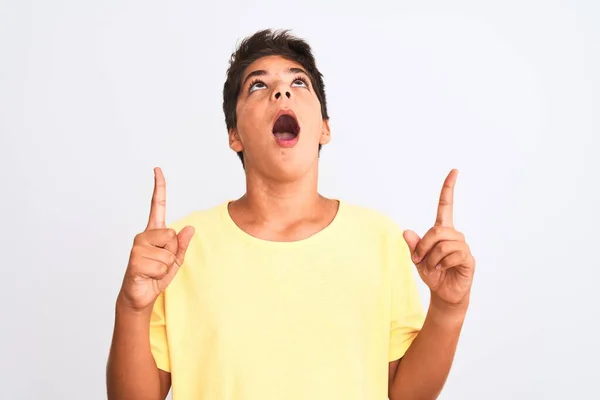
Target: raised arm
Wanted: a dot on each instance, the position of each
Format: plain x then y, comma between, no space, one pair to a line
155,257
446,265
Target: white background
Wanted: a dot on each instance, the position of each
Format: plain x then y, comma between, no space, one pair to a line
95,94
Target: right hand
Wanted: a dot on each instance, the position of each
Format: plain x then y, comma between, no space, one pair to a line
156,255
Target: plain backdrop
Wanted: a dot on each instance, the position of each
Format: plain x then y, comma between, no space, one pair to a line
93,95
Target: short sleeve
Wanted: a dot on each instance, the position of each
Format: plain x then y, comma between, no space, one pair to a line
407,313
158,335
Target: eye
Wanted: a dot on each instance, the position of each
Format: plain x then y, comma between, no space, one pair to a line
256,85
300,82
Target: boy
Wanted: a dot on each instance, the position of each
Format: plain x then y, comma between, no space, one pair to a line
283,293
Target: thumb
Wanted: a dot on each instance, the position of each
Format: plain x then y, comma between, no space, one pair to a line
183,241
412,240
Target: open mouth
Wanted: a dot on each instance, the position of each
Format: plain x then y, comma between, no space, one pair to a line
286,127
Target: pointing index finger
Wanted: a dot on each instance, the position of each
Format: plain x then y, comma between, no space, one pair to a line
158,207
446,203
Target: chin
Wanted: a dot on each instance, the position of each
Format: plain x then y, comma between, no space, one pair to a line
291,169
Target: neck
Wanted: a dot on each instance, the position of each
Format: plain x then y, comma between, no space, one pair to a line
271,200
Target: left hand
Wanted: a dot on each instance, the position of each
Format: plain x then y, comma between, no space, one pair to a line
442,256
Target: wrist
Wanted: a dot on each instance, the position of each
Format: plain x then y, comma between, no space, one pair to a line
448,314
124,309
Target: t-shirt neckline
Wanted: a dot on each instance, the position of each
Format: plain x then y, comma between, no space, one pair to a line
316,237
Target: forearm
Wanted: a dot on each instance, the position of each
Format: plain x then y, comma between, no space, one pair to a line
423,370
131,372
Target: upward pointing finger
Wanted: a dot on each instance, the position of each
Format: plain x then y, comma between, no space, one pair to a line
445,207
158,207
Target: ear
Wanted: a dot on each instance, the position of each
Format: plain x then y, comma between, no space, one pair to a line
234,141
325,132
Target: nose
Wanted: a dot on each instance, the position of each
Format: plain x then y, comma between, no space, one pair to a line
278,93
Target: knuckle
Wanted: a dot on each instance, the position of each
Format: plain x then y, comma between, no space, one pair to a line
444,247
162,269
437,230
469,259
170,233
171,258
159,202
445,263
138,238
464,256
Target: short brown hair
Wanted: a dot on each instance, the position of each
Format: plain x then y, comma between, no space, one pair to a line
262,44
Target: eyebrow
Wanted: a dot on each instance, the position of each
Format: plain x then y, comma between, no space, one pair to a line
262,72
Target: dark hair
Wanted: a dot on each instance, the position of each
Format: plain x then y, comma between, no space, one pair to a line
262,44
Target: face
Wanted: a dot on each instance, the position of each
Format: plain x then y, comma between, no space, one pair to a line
279,121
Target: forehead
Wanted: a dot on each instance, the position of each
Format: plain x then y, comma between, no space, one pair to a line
271,65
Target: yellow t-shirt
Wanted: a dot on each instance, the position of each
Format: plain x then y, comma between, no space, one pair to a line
318,319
